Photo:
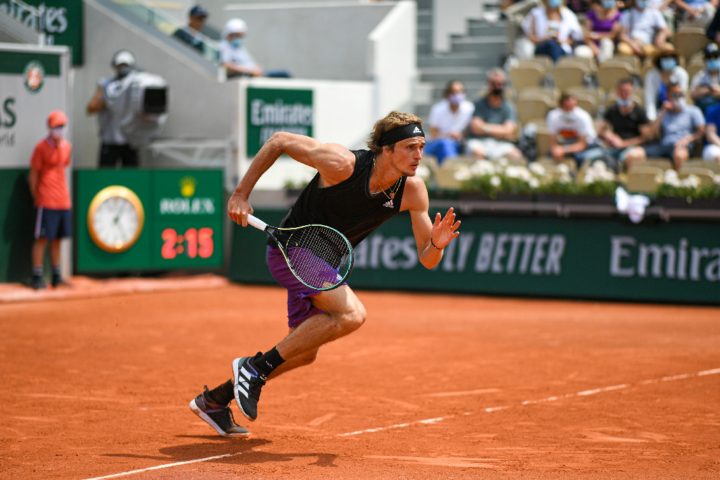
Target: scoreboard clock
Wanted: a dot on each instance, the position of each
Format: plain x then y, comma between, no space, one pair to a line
115,218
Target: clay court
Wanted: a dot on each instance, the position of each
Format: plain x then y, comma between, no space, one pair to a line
432,386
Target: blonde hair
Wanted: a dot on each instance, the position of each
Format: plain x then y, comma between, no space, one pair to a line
393,120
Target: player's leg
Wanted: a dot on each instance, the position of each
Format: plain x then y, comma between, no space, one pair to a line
38,250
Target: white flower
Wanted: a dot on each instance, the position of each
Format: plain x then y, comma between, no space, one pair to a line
716,179
503,162
423,172
590,176
599,165
535,183
513,171
671,178
495,181
563,168
482,167
462,174
564,177
691,181
538,169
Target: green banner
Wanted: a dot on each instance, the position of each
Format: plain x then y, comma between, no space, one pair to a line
183,219
566,258
271,110
60,20
20,63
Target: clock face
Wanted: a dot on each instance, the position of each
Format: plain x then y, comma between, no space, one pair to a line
115,219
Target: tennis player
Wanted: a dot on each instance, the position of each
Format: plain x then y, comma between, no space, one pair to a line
354,192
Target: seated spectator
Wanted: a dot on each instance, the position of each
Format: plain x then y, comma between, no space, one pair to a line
705,85
494,122
667,70
713,30
666,9
626,126
711,152
580,6
644,30
552,28
602,28
448,120
572,132
701,11
678,127
236,58
191,33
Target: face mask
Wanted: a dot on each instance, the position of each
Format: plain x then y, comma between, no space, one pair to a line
713,64
641,4
554,3
456,98
58,133
624,102
123,71
498,92
608,4
678,103
668,64
237,42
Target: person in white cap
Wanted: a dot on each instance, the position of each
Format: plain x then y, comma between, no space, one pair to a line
114,146
236,58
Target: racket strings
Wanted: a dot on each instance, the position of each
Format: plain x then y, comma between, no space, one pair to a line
319,256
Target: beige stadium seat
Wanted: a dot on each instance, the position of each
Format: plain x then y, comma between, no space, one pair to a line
608,75
552,94
532,107
588,62
445,179
700,163
431,162
542,60
690,40
570,75
644,179
545,161
661,163
631,60
527,76
520,162
542,141
705,175
597,93
587,103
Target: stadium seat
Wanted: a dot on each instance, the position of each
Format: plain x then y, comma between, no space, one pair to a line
542,141
661,163
608,75
700,163
543,61
597,93
694,66
570,75
521,162
527,76
572,165
631,60
690,40
588,103
445,178
460,159
588,62
552,94
644,179
705,175
533,107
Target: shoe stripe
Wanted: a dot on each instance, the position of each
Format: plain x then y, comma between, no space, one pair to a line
245,373
242,390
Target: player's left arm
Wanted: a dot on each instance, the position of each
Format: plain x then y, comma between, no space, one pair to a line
430,238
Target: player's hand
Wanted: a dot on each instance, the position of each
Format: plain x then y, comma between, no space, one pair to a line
238,209
444,230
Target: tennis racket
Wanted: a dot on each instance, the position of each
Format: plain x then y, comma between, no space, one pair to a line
319,256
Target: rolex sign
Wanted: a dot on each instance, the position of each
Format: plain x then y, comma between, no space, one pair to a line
271,110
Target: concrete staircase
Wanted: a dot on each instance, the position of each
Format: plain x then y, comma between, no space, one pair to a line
470,57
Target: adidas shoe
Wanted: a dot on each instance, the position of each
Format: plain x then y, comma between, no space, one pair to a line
217,416
248,384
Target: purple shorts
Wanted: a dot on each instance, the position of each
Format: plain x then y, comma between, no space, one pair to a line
300,308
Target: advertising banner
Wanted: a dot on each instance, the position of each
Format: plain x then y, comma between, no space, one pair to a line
60,20
33,82
271,110
160,220
566,258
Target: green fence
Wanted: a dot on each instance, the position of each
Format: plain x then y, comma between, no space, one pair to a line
533,256
183,227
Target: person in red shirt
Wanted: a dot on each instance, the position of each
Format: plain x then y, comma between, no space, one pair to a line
49,188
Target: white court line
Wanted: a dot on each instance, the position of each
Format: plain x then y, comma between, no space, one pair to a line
169,465
399,425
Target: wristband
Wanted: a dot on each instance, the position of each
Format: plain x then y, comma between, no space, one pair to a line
433,244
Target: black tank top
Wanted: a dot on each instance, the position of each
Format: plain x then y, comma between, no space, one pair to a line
348,207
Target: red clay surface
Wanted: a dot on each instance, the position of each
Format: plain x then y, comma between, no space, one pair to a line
101,386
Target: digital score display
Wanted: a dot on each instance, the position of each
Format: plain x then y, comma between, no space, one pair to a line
194,242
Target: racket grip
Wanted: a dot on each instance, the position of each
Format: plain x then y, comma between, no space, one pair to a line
257,223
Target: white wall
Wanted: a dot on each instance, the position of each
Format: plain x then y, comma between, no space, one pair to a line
449,18
392,59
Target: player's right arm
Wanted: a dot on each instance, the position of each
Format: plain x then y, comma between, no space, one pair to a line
335,164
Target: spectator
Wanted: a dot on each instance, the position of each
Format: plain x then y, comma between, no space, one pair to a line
236,58
572,132
713,30
580,6
552,28
602,28
711,152
626,126
678,126
191,33
114,146
49,188
667,10
667,70
644,30
494,122
705,85
448,120
701,11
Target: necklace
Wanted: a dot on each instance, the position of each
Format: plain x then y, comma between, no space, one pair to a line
393,190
